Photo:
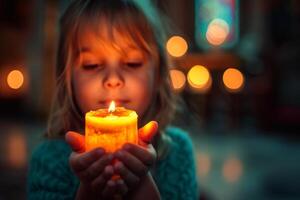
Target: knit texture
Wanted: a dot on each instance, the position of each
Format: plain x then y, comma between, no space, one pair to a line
50,176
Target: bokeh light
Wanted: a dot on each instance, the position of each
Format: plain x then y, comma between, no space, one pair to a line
217,32
233,80
178,79
203,164
232,170
199,78
15,79
177,46
16,149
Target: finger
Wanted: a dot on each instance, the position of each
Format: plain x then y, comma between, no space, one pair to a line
100,181
130,178
147,132
146,156
109,190
76,141
132,163
97,167
80,162
121,187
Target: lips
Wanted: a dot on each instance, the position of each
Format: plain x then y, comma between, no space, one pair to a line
119,102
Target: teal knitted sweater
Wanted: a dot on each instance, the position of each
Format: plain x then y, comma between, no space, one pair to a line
50,176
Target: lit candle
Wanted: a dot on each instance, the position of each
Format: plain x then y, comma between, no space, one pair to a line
110,128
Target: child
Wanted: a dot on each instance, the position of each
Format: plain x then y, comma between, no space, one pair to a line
112,50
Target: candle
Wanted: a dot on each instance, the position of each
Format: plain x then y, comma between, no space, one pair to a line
110,128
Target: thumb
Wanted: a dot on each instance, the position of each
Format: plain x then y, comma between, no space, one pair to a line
76,141
147,133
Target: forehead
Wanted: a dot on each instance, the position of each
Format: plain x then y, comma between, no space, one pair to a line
105,37
121,34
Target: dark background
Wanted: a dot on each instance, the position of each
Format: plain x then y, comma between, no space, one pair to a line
246,143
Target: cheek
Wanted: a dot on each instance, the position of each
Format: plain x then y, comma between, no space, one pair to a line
142,89
142,100
84,92
79,94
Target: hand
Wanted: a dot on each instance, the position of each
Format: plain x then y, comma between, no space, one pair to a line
76,141
93,168
135,160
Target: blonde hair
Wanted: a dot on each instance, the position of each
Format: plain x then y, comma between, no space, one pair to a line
140,21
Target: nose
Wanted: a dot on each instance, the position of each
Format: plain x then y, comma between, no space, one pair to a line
113,80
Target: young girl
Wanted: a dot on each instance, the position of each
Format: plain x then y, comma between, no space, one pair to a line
112,50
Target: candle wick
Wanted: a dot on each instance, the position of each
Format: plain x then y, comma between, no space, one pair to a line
110,112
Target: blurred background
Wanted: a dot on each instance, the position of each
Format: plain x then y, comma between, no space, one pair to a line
236,68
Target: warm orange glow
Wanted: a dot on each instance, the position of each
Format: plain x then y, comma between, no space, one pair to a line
112,107
178,79
16,149
233,80
177,46
15,79
110,130
232,170
217,32
199,78
204,164
198,75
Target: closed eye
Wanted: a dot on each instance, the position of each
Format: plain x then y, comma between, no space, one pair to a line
134,64
90,66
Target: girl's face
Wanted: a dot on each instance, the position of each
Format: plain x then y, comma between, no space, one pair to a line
107,70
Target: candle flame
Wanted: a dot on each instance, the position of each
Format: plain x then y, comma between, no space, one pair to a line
112,107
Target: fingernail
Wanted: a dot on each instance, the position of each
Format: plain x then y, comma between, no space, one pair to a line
119,154
120,181
127,146
109,169
111,183
99,152
110,157
115,165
